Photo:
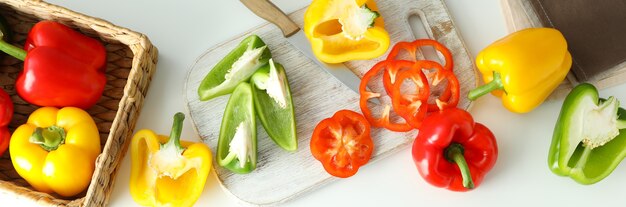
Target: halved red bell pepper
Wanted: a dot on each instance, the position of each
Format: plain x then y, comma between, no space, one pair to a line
384,120
452,151
342,143
61,68
6,113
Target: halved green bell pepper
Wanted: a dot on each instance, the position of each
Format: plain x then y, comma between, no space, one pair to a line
236,67
272,99
236,147
589,139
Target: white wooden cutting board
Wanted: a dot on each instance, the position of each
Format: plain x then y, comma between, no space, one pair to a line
282,175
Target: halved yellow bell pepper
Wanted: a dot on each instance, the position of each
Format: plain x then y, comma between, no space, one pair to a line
523,68
56,150
166,171
343,30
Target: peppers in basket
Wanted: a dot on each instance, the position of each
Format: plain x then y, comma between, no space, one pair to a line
6,113
56,150
452,151
166,171
344,30
589,138
61,67
523,68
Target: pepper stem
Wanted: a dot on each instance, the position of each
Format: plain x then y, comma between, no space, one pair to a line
49,138
10,49
495,84
454,153
177,128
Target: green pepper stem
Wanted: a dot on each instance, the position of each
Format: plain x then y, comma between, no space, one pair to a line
454,153
12,50
49,138
177,128
495,84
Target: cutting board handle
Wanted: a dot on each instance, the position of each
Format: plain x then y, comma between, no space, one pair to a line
268,11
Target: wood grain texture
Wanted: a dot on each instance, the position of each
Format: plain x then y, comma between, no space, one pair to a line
268,11
520,14
282,175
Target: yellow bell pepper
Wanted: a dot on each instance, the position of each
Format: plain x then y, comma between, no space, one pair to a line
56,150
343,30
166,171
523,68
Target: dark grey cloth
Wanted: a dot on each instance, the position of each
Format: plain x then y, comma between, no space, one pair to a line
595,31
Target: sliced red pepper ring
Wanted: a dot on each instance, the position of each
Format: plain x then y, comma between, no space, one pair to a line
342,143
411,48
449,98
411,106
385,119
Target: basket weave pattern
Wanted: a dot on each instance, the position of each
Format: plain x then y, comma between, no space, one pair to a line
131,61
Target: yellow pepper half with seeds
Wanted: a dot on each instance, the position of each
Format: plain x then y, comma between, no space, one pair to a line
523,68
56,150
166,171
344,30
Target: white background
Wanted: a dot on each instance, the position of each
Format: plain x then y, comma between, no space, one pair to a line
182,30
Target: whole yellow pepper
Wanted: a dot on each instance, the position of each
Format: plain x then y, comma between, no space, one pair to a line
166,171
343,30
523,68
56,150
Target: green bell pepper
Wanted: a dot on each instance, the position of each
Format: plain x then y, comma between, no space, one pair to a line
236,67
272,99
589,139
236,146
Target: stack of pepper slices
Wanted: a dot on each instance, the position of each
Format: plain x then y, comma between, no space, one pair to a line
448,136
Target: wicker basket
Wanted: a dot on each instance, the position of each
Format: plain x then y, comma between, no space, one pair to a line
131,61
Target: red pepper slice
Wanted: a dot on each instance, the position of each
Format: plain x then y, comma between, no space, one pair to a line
6,113
450,97
452,151
384,120
412,107
342,143
412,47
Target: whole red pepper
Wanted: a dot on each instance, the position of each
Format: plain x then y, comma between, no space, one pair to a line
6,113
61,68
452,151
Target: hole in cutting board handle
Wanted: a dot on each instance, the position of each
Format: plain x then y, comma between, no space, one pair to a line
420,30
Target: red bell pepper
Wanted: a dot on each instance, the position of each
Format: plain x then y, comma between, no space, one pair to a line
342,143
61,68
6,113
452,151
